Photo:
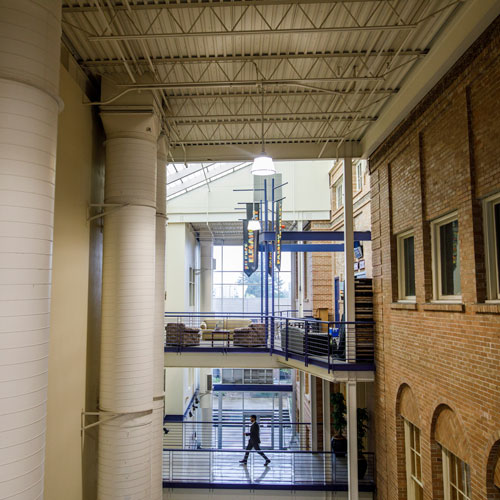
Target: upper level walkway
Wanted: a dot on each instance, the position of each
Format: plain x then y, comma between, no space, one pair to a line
199,454
227,339
289,469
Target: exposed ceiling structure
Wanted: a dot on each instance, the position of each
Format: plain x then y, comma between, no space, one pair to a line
318,73
229,233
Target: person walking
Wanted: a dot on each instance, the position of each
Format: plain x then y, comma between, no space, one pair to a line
254,441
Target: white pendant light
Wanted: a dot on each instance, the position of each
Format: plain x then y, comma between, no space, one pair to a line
263,164
254,225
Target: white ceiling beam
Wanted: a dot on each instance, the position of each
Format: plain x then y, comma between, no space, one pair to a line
199,4
269,118
282,31
278,92
278,151
249,83
193,59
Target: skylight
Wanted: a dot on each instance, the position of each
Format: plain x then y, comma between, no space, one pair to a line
185,177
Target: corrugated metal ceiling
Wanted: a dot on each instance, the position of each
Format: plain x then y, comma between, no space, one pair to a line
326,68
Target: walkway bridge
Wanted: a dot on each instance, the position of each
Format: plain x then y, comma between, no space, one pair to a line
207,454
332,350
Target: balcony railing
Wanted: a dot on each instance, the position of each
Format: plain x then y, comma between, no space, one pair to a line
230,435
329,344
288,470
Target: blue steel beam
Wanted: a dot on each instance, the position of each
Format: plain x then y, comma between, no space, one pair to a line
314,236
310,247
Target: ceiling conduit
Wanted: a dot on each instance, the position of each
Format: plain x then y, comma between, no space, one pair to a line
29,106
159,333
126,385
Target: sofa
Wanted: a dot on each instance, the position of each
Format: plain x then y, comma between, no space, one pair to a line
209,327
252,336
179,334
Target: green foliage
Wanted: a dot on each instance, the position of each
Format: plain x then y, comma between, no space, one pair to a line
253,285
339,411
363,419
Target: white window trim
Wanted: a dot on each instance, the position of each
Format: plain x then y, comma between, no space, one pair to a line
359,176
490,243
339,201
436,258
446,476
411,480
401,266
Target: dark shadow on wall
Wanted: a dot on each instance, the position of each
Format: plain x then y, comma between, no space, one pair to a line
89,452
493,473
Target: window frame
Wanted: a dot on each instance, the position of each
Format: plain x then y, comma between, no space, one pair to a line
412,481
491,248
447,482
401,266
192,287
339,200
436,258
359,176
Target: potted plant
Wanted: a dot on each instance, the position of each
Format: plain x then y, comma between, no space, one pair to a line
339,423
363,418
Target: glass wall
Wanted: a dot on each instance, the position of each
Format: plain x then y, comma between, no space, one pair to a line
273,409
252,376
234,291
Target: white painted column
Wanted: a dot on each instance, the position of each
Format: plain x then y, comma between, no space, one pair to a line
29,107
326,415
128,307
352,434
206,251
159,327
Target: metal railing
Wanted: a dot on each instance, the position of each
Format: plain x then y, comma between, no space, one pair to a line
321,343
288,469
231,435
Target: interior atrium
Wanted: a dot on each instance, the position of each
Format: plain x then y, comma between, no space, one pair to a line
249,248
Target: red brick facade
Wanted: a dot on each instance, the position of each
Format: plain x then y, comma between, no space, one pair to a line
443,158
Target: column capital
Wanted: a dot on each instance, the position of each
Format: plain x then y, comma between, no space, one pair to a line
132,115
131,122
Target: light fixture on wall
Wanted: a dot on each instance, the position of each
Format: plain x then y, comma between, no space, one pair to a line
263,164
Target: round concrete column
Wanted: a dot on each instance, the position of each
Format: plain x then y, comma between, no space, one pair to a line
206,251
159,328
128,293
29,85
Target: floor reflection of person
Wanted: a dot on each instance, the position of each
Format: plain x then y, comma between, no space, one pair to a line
254,441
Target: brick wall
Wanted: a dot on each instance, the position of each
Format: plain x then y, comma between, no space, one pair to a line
444,157
325,266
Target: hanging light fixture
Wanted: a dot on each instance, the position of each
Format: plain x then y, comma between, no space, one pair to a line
263,164
254,224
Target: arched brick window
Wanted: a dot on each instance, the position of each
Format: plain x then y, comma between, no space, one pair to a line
493,473
409,459
449,455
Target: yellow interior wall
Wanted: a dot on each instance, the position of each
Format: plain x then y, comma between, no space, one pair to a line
68,328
